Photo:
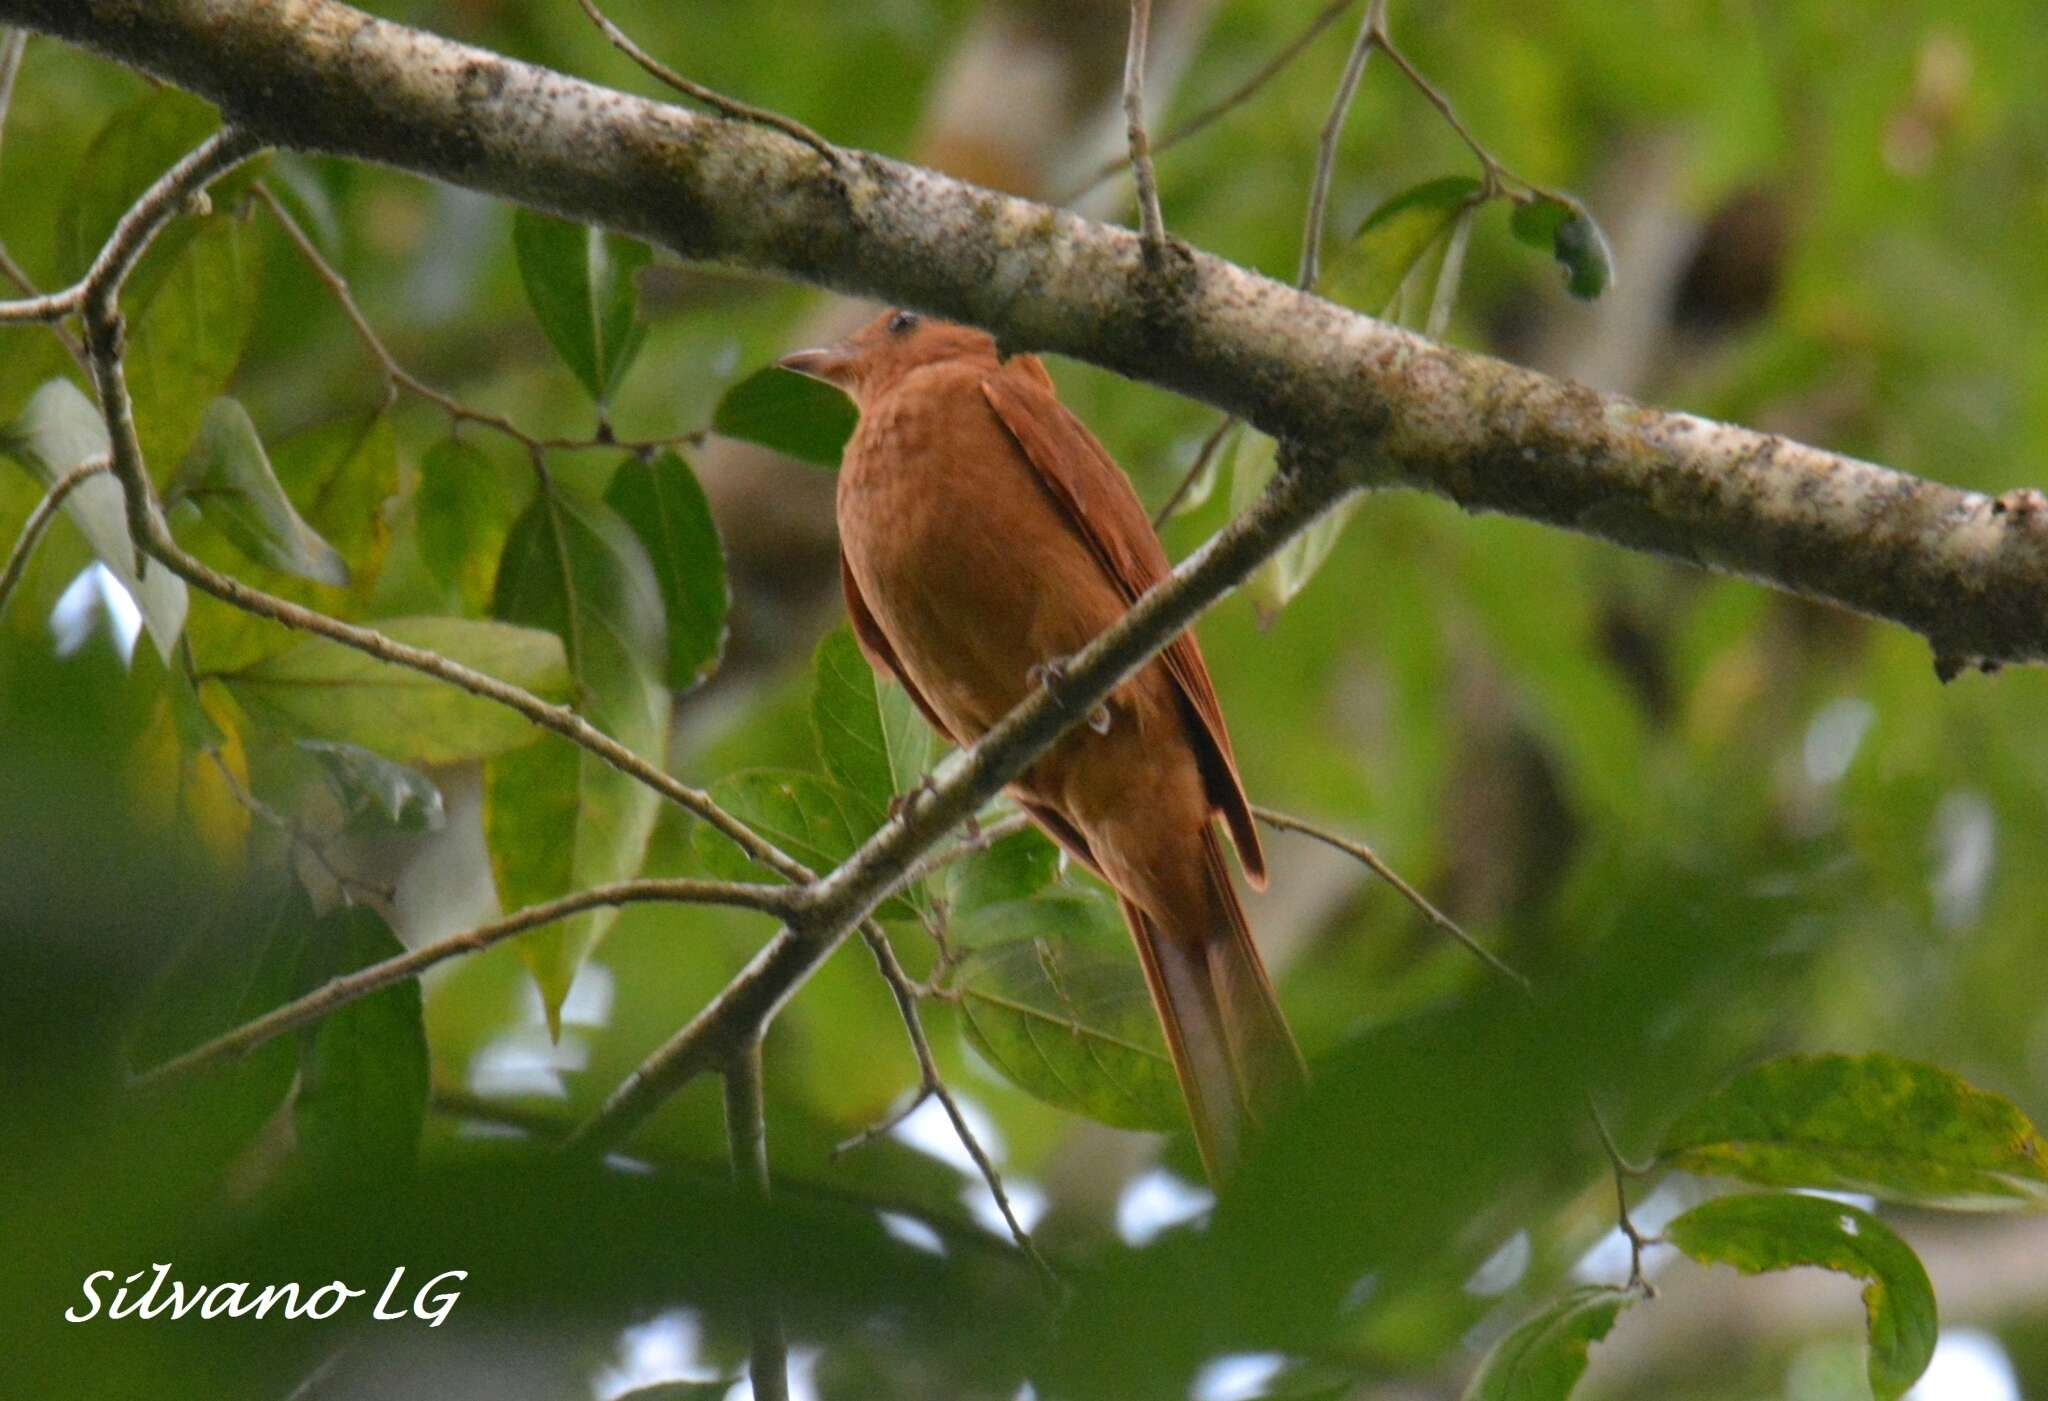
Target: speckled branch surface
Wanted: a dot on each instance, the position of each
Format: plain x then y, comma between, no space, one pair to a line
1967,571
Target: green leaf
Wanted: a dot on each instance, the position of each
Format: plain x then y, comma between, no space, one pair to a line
812,818
1015,868
1273,585
228,972
188,328
128,155
665,506
377,795
869,732
1771,1232
341,475
1053,996
579,281
1894,1128
558,819
1544,1357
228,477
790,413
1563,228
333,691
1367,276
363,1070
461,512
58,429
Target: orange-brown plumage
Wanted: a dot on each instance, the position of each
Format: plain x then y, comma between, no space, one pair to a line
985,533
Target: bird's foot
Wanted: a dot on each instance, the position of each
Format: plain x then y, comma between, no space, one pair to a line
903,802
1053,676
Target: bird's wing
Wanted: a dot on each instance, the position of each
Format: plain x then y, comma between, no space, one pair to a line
881,656
1099,504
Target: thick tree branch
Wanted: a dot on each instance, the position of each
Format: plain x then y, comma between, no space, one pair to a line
1968,572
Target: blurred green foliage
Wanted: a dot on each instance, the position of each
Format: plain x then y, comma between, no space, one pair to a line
1714,825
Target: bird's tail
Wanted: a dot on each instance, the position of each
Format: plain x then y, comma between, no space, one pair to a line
1231,1048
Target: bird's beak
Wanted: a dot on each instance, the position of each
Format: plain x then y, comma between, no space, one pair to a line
832,364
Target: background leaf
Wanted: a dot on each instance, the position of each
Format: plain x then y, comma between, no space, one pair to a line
324,688
1894,1128
58,429
375,793
1545,1355
579,281
557,819
870,735
662,501
791,413
1761,1233
1053,996
228,477
461,512
363,1075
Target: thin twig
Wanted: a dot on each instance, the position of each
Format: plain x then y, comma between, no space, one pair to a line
99,304
1622,1170
397,377
39,521
746,1132
1370,31
1194,473
716,101
933,1085
556,719
1360,851
1151,222
1243,93
1497,176
339,992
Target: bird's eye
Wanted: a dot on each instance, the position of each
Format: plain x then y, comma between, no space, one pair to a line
902,323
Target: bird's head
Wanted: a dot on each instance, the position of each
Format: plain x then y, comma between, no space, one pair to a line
877,356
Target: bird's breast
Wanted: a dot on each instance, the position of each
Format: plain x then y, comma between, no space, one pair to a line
966,563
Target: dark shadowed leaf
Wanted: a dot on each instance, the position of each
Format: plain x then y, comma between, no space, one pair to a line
228,477
558,819
1894,1128
231,970
336,692
363,1069
1756,1234
1546,1354
788,412
1053,996
375,793
1564,229
58,429
662,501
579,281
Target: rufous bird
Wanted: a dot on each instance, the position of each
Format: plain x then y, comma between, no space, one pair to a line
985,536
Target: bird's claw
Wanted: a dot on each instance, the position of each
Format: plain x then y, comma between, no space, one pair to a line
902,802
1053,676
